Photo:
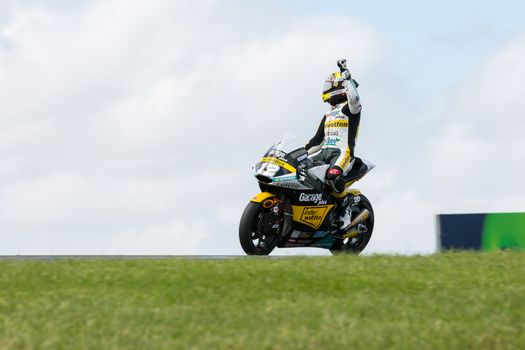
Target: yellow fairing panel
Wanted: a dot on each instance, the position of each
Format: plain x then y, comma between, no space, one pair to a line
312,216
346,192
261,197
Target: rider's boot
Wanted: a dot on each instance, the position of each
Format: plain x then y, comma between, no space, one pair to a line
343,215
344,221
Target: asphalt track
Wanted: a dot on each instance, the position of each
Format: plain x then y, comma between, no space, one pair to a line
135,257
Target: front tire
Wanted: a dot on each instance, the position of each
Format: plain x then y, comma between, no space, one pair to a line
355,245
253,241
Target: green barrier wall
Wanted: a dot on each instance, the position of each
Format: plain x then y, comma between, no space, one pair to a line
503,231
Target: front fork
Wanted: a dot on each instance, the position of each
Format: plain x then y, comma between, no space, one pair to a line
278,212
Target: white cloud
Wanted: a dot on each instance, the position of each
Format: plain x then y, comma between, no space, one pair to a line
480,139
132,127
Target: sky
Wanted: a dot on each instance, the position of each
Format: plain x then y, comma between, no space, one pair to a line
130,127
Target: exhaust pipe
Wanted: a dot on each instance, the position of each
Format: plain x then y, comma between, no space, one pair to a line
365,214
355,226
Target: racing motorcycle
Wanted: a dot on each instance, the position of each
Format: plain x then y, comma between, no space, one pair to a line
295,209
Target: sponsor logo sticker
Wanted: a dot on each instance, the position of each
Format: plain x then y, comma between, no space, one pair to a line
277,153
310,216
285,178
273,160
317,198
332,141
290,185
304,156
336,124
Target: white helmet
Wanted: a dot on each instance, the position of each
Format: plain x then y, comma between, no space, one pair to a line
335,88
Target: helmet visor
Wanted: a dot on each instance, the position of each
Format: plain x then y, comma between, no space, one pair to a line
328,84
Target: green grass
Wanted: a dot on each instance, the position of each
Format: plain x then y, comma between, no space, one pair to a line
444,301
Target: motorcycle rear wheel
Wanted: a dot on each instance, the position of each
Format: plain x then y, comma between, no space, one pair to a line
254,242
355,245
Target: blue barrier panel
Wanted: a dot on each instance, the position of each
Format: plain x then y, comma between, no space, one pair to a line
460,231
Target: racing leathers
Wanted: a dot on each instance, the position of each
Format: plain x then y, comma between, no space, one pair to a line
335,139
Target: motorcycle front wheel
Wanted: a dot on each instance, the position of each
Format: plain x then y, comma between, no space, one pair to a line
253,240
356,244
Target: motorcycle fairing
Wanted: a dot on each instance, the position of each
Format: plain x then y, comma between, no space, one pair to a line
361,171
261,197
288,181
279,168
312,216
308,220
319,172
326,242
346,192
299,238
279,162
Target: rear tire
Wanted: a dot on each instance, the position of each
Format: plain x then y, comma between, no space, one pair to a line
254,242
355,245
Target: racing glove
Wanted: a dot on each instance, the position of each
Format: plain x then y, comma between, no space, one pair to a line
333,172
345,73
335,179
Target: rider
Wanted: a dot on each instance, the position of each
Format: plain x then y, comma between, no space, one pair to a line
334,141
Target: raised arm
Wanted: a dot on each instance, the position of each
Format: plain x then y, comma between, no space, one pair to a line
354,101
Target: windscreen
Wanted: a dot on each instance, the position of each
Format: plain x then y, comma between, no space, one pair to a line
286,144
276,161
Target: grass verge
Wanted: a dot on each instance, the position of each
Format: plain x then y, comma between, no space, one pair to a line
453,300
